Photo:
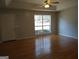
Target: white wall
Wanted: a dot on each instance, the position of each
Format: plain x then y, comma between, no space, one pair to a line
7,26
24,24
16,24
19,24
5,3
0,29
68,22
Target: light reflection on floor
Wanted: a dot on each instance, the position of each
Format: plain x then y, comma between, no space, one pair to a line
43,46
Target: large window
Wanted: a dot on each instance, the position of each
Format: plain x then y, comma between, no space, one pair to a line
42,24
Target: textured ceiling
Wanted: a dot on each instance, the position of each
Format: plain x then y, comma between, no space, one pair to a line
38,1
36,4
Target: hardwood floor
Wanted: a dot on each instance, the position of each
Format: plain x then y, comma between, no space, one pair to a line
44,47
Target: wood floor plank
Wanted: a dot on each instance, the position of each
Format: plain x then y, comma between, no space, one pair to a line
43,47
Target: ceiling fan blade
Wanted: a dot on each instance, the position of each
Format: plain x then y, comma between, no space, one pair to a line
49,1
55,2
46,1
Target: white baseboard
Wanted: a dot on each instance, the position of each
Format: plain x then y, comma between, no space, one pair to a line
68,36
25,37
19,38
4,57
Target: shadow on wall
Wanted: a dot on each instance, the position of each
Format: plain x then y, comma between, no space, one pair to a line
68,22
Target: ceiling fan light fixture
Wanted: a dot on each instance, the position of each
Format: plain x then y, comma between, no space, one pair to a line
47,6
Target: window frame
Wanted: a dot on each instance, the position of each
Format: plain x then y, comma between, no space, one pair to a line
42,21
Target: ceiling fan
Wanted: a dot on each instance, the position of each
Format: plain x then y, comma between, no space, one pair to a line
48,3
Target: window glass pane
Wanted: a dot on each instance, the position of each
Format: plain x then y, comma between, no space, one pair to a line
38,28
47,29
38,20
42,24
46,20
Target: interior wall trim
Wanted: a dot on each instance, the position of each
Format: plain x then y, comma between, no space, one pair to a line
68,36
19,39
25,37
